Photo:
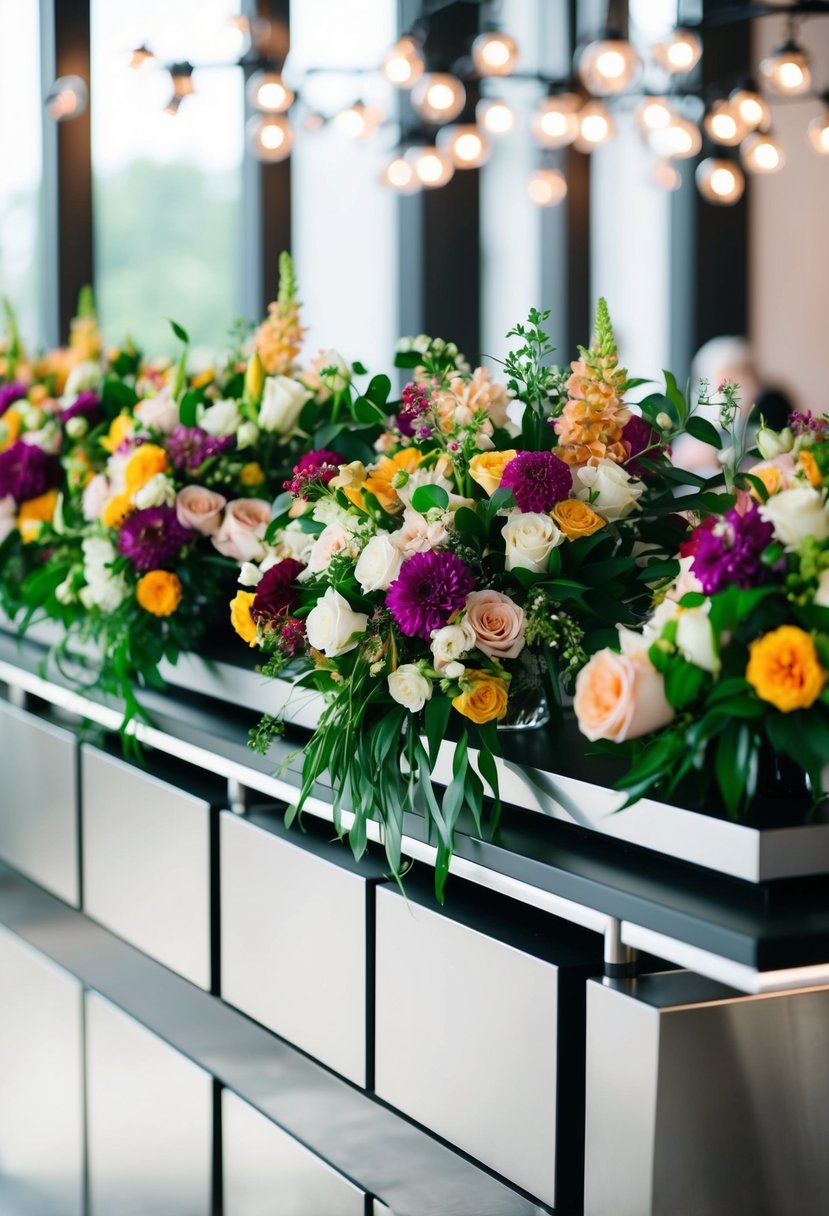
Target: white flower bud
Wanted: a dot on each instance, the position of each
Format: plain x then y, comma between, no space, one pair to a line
664,421
76,427
772,444
247,435
250,575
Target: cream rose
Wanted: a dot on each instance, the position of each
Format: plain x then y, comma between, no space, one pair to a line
282,402
608,489
497,622
332,624
797,513
220,419
158,413
620,696
333,539
409,687
449,644
530,539
379,563
200,509
243,527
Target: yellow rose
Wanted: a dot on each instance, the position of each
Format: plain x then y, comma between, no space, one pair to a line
9,428
159,592
783,669
241,618
144,463
576,518
483,698
252,474
487,468
35,512
121,429
770,477
809,466
116,511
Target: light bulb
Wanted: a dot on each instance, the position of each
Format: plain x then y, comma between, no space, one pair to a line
438,97
762,154
751,108
399,175
494,54
679,140
608,66
678,53
268,92
141,55
181,75
547,187
403,65
555,122
67,98
720,181
666,176
468,147
818,134
432,167
271,137
496,116
787,70
724,125
359,121
654,113
596,127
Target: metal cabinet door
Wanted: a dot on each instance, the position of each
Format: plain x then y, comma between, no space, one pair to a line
38,801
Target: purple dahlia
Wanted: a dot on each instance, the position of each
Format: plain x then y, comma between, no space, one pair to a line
277,591
314,468
730,552
189,446
10,393
26,471
152,538
86,405
538,480
639,436
428,589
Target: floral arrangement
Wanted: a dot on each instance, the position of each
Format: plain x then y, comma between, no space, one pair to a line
726,687
499,533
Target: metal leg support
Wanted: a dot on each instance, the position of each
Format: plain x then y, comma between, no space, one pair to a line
620,961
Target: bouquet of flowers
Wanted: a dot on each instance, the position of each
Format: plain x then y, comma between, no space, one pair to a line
727,684
474,561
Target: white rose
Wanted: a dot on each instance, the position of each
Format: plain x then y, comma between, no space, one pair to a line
379,563
685,582
653,627
409,687
282,402
158,413
8,516
95,495
331,625
450,644
797,513
48,439
339,377
159,491
82,378
250,575
695,639
293,542
247,435
821,595
220,419
530,539
608,489
333,539
453,671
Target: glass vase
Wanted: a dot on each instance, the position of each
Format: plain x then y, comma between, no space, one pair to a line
528,707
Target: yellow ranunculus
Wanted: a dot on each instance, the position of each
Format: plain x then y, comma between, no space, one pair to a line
487,468
9,428
120,429
576,518
379,480
159,592
252,474
35,512
145,462
810,467
483,696
784,669
116,511
241,618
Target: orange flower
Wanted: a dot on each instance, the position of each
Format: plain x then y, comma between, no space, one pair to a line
809,466
483,696
34,513
576,518
145,462
241,617
159,592
784,669
278,340
379,480
204,378
116,511
9,428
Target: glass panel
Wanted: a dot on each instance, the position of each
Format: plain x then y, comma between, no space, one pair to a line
21,155
167,189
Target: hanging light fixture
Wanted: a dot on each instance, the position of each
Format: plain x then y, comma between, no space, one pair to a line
267,91
679,53
139,56
181,75
678,141
818,130
359,121
496,116
787,71
720,181
438,97
761,153
609,65
271,137
596,127
398,174
67,98
750,106
666,176
494,54
654,113
547,187
432,167
466,144
403,65
724,125
555,121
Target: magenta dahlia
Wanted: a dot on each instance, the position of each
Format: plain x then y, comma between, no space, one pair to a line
27,472
538,480
86,405
428,589
189,446
151,538
731,551
313,469
277,591
10,393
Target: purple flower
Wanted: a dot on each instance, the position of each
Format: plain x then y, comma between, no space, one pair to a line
729,552
26,472
312,461
404,425
86,405
277,591
428,589
10,393
189,446
152,538
637,437
538,480
313,469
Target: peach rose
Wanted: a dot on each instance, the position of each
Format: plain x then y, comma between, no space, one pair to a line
497,622
200,509
240,535
620,696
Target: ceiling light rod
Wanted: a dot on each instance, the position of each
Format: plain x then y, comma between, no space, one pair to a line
738,13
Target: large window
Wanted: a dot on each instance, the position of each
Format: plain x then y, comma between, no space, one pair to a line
167,188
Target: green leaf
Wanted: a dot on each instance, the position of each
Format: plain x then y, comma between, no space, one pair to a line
501,500
408,358
358,369
366,412
427,497
675,396
437,713
704,431
470,523
378,390
732,764
179,331
188,409
683,682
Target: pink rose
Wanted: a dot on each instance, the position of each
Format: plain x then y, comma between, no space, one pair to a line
333,539
620,696
240,535
95,496
161,412
200,509
497,622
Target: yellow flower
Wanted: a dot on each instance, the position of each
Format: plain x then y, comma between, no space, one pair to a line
121,429
769,474
254,379
9,428
34,513
159,592
252,474
783,668
483,698
241,617
487,468
116,511
204,378
144,463
379,480
576,518
37,394
809,466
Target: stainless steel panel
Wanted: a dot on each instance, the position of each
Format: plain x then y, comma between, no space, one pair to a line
266,1172
703,1102
149,1121
41,1084
38,801
466,1031
293,943
146,863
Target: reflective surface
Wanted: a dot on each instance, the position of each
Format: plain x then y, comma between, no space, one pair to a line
146,863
